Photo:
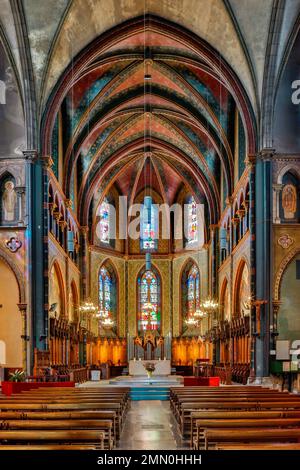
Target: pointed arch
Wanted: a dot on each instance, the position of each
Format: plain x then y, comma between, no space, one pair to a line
57,290
190,290
280,271
108,291
17,272
225,300
149,300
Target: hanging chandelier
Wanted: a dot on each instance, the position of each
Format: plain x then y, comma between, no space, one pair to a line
210,305
107,323
87,307
192,321
200,313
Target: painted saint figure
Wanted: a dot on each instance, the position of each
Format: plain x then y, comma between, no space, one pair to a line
9,201
289,201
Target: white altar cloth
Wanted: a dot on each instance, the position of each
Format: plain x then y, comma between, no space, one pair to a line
161,367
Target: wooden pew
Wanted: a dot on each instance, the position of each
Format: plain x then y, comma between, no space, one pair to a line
67,408
58,436
252,446
216,436
188,408
104,426
204,424
63,415
48,447
43,407
228,415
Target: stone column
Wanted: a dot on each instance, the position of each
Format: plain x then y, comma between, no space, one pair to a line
260,338
20,190
241,213
23,310
234,221
35,242
263,257
251,162
214,257
276,202
84,261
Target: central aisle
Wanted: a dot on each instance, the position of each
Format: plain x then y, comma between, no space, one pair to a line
149,426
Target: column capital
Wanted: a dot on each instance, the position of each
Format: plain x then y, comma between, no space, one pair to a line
22,307
57,215
250,160
63,224
20,189
47,161
277,187
240,213
30,155
69,203
266,154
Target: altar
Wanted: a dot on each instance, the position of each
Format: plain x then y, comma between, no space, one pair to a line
161,367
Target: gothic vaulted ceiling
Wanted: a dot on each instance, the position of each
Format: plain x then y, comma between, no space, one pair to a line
148,101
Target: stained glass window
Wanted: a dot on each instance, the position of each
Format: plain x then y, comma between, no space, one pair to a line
104,221
105,291
192,221
149,315
193,291
149,225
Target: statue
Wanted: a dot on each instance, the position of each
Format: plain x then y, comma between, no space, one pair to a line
9,201
289,201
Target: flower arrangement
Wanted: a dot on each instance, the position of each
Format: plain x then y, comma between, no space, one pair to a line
150,368
17,376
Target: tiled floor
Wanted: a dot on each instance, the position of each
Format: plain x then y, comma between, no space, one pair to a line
150,426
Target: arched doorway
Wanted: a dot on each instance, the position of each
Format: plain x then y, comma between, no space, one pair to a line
10,316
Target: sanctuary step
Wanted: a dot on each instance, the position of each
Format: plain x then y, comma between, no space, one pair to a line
149,393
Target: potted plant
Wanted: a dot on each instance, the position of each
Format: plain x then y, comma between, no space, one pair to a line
17,376
16,383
